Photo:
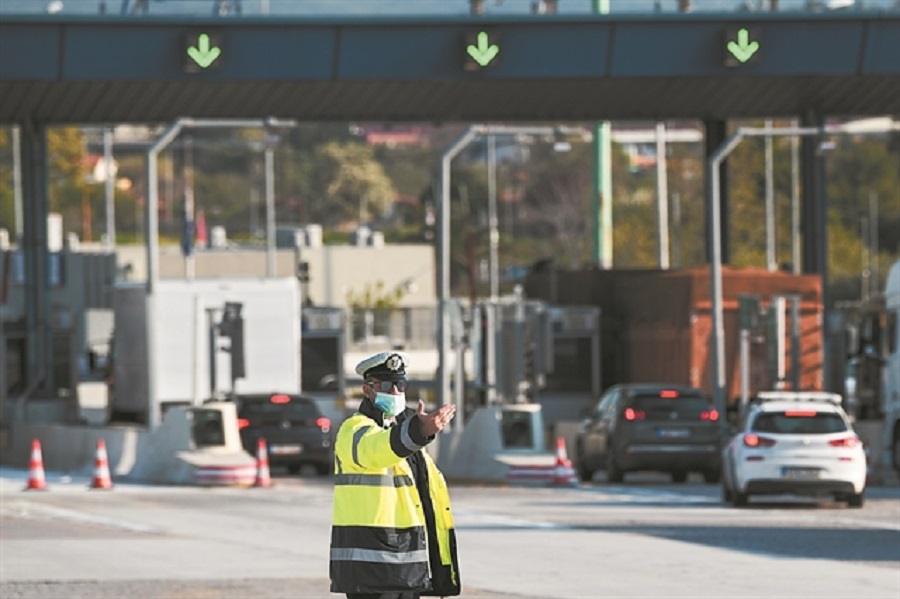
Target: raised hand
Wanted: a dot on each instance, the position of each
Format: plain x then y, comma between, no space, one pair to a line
435,422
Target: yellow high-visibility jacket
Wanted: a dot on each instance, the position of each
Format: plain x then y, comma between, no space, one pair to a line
385,535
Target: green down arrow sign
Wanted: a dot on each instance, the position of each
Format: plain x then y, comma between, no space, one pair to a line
480,51
740,47
203,55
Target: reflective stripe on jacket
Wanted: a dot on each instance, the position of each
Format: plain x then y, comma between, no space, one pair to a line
379,531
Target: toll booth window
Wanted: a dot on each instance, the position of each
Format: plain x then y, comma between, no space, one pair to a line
322,363
572,367
208,429
516,430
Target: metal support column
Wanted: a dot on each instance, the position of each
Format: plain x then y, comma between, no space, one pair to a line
37,258
810,225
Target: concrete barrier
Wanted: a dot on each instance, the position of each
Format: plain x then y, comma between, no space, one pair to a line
871,432
169,454
495,444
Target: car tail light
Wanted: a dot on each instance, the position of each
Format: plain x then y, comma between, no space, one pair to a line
844,442
632,414
280,398
752,440
668,393
323,423
711,415
800,413
243,423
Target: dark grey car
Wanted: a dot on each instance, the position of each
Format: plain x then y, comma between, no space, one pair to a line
653,427
296,431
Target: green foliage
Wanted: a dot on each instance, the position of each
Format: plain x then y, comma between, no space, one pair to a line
375,296
634,236
411,168
353,183
325,173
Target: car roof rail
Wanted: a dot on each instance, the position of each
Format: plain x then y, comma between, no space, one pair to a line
790,396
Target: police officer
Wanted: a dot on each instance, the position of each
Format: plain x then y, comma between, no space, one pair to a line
392,534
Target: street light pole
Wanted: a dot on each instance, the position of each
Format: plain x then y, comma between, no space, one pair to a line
443,241
444,268
662,195
110,187
717,351
17,183
270,205
494,234
771,260
152,234
602,198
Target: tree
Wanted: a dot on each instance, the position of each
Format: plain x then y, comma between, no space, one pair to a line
351,182
67,172
375,297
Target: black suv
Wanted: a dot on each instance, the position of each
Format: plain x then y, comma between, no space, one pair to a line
295,430
656,427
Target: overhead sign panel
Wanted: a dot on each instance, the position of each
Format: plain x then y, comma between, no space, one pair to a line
130,52
520,51
29,53
59,69
882,48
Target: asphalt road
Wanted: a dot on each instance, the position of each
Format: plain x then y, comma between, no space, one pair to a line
643,539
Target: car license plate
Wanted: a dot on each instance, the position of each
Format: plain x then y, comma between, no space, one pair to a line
800,473
285,449
674,433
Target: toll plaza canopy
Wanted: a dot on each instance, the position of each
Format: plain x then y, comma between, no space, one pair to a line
105,69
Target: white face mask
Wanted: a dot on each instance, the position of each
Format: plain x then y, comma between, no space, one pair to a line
391,405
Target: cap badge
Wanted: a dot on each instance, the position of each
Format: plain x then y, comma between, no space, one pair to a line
394,362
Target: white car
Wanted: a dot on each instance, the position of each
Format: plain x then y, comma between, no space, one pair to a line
799,443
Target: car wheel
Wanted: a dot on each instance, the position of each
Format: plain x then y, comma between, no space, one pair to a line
584,473
727,497
614,474
895,456
679,476
855,500
712,476
323,469
294,468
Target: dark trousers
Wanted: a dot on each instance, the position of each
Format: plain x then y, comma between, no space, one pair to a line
400,595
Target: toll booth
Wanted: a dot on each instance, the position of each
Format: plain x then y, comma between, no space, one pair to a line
574,372
322,348
529,352
189,334
496,443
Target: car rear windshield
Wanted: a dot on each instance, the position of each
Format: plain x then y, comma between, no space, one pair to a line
812,423
295,410
683,407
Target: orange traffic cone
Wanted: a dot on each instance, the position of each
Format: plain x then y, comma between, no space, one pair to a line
36,478
102,479
563,472
263,479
